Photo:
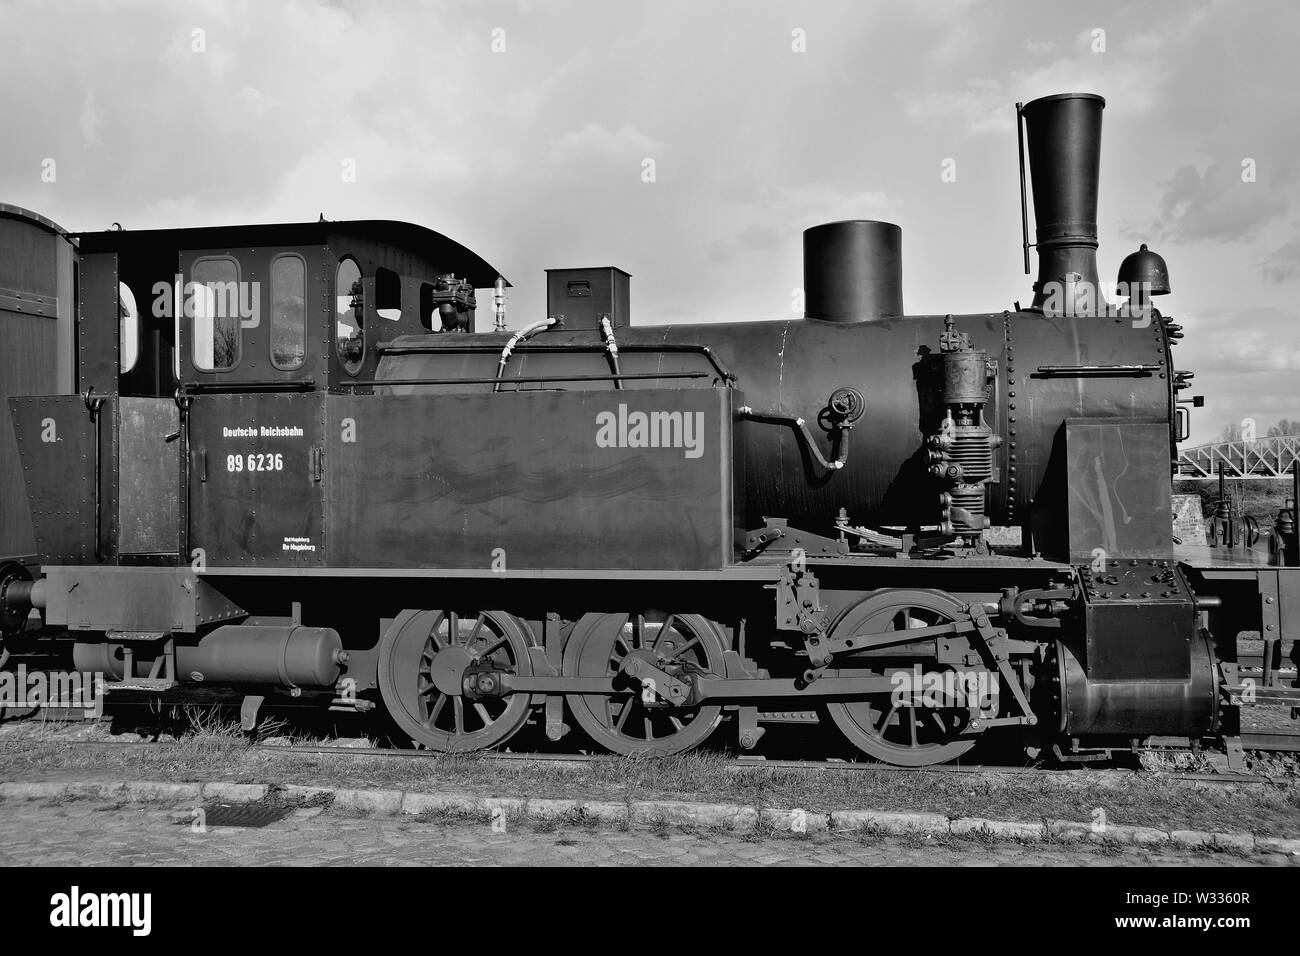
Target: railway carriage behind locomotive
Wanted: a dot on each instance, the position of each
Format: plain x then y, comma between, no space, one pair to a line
285,459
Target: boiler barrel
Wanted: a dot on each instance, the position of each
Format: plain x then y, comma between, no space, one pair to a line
794,366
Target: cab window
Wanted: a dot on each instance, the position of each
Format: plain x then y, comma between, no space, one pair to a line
288,311
426,306
128,340
216,303
388,294
349,329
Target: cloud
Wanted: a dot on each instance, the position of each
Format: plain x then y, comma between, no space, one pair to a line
1217,204
982,107
90,121
532,157
1247,364
592,141
752,213
1242,340
1283,264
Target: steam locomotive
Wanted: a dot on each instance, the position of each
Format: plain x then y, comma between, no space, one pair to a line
283,459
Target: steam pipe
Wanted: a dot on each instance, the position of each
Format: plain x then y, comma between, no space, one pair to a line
611,346
521,336
1024,208
800,425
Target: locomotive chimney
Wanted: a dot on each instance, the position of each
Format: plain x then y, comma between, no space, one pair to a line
853,271
1064,134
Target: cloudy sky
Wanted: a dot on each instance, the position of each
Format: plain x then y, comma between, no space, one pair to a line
522,129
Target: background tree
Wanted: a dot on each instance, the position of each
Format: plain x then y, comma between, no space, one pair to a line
1231,432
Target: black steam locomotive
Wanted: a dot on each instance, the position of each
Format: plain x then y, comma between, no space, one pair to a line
283,458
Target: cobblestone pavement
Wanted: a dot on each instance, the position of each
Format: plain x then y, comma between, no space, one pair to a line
89,832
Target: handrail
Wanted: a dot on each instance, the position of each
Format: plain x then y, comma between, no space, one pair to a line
378,382
287,385
1140,371
411,348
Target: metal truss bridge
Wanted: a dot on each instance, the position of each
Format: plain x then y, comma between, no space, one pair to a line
1261,458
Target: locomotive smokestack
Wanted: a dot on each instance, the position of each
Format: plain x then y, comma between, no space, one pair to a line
1065,161
853,271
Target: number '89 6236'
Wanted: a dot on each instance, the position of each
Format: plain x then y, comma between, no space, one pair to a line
255,462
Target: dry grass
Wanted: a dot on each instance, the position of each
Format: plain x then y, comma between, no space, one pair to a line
215,749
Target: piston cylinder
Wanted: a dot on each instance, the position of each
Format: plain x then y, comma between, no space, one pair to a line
1139,707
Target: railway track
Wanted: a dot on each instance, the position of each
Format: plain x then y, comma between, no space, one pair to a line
1270,740
736,764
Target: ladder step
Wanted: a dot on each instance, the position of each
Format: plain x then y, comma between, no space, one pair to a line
153,684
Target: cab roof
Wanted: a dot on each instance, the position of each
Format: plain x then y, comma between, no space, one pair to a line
447,254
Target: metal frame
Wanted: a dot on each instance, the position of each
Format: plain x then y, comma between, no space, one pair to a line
1261,458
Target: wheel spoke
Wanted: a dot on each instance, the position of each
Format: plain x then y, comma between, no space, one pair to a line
473,634
436,710
693,642
491,647
884,724
912,722
664,628
628,705
483,713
